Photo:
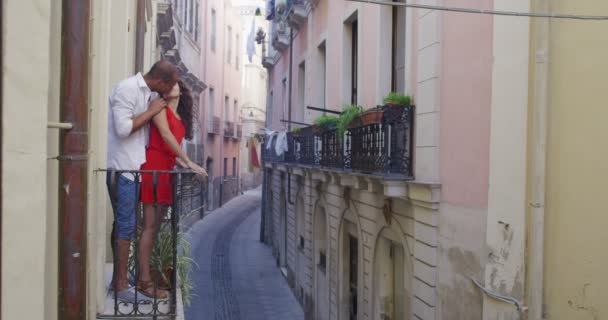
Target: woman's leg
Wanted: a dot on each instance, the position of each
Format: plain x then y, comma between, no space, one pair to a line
153,216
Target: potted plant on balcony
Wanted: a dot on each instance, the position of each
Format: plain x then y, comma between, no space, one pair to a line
161,262
395,99
349,116
296,131
369,116
326,122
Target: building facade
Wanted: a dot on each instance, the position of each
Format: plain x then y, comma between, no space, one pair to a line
566,81
33,74
222,69
118,39
254,87
445,238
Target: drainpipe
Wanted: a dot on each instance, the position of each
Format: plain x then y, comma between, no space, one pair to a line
539,131
1,140
140,33
73,164
289,103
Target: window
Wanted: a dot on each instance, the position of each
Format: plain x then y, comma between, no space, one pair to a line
185,13
225,167
226,108
211,108
300,107
398,56
213,29
323,72
196,23
234,167
284,98
236,111
354,61
238,47
269,110
190,17
229,44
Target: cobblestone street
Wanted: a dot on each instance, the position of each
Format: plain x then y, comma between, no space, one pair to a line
237,277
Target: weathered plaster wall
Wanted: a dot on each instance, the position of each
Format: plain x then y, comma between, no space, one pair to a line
358,205
575,236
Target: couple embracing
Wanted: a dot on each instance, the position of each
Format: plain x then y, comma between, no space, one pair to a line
149,116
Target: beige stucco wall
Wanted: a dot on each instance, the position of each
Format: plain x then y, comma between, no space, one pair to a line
25,101
575,237
506,220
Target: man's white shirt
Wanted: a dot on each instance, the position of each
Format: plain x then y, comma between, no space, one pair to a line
129,98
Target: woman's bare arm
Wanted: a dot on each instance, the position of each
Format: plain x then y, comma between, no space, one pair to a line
160,121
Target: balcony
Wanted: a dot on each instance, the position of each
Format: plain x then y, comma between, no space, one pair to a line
213,126
280,39
380,149
187,190
239,132
229,129
298,13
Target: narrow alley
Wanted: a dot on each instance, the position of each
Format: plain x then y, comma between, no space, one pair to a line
237,277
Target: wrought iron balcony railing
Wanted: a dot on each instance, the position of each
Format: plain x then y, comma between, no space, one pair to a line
214,125
239,132
167,260
228,129
380,148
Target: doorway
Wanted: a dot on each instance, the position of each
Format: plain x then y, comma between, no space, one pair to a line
210,190
353,268
320,253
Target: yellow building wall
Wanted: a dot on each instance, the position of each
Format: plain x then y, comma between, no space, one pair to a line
31,93
576,257
25,73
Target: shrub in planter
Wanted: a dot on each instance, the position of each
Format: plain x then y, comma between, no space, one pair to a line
397,99
296,131
326,122
350,114
161,261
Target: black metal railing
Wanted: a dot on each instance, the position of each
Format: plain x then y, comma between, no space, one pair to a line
228,129
214,125
384,147
165,197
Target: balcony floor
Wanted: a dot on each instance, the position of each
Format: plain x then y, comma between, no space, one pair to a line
144,308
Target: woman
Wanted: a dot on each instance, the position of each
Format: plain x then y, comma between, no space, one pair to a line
168,129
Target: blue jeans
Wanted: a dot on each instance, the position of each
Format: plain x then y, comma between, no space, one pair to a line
124,204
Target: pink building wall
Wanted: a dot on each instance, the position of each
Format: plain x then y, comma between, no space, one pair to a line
225,80
466,91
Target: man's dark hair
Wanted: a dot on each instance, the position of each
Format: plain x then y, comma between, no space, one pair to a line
163,70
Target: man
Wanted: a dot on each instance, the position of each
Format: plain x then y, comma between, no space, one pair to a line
132,105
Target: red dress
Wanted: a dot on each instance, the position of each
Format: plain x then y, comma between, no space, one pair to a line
159,156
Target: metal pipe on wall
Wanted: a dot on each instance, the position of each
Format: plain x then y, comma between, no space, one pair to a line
289,102
539,158
73,160
140,33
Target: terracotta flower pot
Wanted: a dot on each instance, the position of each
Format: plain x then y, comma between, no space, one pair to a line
372,116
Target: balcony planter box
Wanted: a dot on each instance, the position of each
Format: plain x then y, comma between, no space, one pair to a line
372,116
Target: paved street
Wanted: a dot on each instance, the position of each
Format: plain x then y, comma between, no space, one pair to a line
237,277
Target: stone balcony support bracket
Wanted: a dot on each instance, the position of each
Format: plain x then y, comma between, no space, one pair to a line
320,176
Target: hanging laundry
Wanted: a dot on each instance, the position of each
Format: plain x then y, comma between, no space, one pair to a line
254,158
281,145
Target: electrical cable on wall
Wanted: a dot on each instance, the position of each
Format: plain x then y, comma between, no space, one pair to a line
482,11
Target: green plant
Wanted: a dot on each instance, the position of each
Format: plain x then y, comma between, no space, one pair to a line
296,130
161,260
349,113
397,98
326,121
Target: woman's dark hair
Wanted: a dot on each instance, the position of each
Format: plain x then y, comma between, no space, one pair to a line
184,108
